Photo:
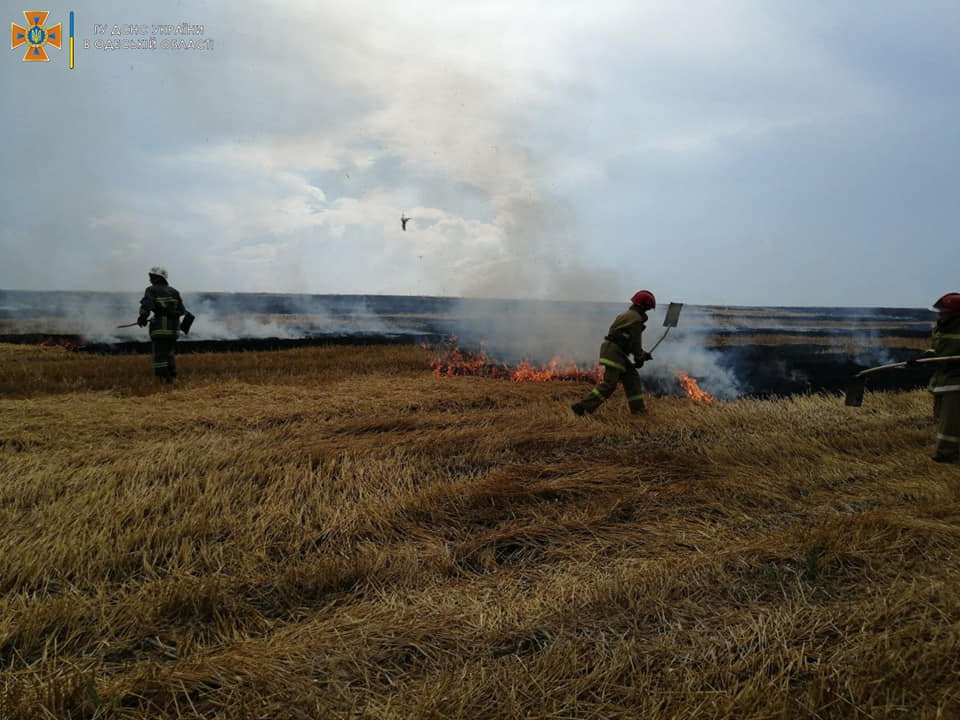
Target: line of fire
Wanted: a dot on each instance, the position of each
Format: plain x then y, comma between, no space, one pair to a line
714,354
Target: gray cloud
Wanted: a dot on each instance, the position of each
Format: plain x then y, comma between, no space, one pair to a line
730,152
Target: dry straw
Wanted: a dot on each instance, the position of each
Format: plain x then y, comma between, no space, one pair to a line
336,533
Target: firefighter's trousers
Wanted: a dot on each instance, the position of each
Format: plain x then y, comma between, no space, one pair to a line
613,373
946,408
164,363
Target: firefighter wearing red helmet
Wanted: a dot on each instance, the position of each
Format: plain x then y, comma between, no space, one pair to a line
623,340
945,383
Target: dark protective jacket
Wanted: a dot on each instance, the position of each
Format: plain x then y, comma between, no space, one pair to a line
164,302
625,338
946,341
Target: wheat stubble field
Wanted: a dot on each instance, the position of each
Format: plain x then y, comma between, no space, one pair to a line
336,533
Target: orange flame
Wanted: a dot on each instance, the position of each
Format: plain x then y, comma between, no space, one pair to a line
693,390
451,361
57,342
555,369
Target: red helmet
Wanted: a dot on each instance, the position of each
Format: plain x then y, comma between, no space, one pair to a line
644,299
949,302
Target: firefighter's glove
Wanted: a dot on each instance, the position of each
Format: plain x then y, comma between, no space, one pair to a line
142,321
644,356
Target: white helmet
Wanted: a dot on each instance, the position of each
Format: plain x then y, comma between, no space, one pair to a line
157,270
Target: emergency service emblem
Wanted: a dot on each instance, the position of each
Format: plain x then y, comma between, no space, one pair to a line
36,36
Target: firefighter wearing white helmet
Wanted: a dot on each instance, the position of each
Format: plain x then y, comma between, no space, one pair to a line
166,306
623,339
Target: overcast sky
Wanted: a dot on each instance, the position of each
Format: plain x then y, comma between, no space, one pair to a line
728,152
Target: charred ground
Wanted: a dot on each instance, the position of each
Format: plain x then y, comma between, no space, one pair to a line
769,351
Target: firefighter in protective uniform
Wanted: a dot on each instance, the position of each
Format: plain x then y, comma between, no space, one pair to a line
165,303
945,383
623,340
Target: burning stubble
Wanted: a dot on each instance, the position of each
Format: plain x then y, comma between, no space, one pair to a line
546,334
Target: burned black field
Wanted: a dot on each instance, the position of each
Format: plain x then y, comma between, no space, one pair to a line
741,352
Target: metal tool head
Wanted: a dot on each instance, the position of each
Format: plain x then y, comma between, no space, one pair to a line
854,396
673,315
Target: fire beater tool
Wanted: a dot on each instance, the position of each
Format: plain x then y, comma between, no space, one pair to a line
854,395
670,321
185,324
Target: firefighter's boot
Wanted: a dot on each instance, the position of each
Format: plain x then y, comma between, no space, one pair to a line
636,405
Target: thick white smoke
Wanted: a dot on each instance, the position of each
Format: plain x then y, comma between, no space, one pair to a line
540,331
303,316
95,316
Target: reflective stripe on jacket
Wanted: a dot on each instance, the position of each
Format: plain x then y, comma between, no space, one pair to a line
625,338
946,341
166,305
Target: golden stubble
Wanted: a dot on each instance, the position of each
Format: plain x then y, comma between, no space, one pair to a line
335,532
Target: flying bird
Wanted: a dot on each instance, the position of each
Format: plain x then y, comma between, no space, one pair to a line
403,221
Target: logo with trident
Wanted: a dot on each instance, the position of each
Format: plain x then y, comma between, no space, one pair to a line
36,35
